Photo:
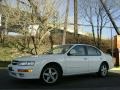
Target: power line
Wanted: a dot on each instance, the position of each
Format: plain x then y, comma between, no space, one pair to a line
90,25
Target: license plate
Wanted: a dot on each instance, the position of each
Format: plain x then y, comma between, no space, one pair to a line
13,73
10,68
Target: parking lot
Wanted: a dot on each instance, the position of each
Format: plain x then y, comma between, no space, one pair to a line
89,81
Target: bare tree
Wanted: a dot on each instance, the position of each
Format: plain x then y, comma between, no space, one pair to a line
44,10
95,16
93,12
110,17
6,13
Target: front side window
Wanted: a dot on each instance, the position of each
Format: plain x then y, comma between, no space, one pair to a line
78,50
93,51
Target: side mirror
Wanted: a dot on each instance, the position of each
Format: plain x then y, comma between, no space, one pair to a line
72,53
68,54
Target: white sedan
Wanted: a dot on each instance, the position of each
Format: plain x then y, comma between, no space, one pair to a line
61,61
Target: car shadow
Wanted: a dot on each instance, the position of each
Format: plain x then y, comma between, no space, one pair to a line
77,81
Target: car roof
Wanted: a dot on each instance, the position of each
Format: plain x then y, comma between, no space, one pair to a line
81,44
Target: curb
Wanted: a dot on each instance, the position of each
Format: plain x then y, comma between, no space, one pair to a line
117,69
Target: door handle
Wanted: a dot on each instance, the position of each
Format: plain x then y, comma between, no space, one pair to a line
85,58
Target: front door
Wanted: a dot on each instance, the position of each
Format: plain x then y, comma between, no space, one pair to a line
76,60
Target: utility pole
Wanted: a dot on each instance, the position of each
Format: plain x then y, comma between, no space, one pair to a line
18,4
76,19
111,40
110,17
65,23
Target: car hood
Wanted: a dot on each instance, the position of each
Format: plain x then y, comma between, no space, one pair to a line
40,57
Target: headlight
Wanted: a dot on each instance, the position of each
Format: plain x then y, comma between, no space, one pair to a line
26,63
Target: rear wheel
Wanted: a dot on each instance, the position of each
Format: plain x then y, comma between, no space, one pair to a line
103,71
50,75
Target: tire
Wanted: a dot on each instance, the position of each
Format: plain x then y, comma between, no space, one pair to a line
50,75
103,71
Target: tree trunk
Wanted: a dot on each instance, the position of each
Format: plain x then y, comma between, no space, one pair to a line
93,32
65,23
35,47
51,41
98,35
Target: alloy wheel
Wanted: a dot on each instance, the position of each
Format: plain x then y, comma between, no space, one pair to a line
104,70
50,75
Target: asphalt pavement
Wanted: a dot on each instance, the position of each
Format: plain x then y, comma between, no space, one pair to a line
80,82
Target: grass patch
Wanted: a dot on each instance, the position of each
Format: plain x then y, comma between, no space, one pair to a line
5,54
4,63
8,54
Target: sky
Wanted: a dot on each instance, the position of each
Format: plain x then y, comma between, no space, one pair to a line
62,8
106,31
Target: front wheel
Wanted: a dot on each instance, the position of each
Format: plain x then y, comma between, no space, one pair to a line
50,75
103,71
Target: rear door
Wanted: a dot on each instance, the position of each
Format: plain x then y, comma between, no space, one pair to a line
94,58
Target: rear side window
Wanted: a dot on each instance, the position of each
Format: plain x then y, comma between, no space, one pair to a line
93,51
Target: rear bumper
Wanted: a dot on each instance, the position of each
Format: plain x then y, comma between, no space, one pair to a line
111,65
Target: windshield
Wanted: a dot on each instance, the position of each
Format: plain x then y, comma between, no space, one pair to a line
62,49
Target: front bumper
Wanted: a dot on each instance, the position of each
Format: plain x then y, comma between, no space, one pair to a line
14,72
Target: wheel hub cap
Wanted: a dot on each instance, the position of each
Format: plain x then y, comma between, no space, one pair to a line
50,75
104,70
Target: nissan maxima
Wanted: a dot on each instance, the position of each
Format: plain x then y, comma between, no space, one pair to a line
63,60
